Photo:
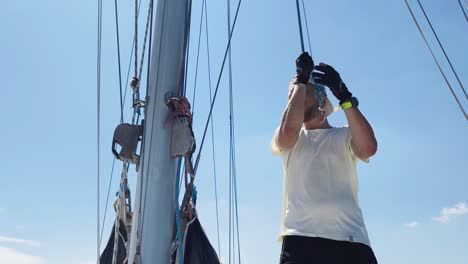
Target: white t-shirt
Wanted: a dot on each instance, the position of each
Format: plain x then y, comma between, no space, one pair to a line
320,192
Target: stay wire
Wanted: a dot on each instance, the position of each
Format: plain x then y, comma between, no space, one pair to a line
107,201
198,55
299,21
130,61
98,121
118,58
150,9
113,161
231,207
148,66
217,85
232,144
436,61
463,10
135,40
212,127
443,50
188,19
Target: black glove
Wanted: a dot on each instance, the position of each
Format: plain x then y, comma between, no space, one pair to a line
331,78
304,67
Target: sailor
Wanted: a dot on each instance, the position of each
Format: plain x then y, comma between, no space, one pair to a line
321,218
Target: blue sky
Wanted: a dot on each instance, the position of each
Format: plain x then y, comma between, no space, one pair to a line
48,203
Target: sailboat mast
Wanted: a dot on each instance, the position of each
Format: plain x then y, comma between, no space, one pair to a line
153,218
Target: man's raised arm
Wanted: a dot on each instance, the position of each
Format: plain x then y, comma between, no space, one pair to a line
363,141
293,115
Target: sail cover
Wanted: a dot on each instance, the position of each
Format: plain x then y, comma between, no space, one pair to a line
106,256
197,247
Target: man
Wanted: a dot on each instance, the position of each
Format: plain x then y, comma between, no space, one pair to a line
321,218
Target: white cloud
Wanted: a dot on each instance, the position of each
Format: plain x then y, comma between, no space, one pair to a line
412,224
11,256
448,213
15,240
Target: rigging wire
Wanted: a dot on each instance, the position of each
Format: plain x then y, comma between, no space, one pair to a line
113,161
212,127
118,58
135,38
217,86
98,106
436,61
198,55
142,166
463,10
443,50
307,27
107,201
148,18
130,61
188,18
231,212
299,21
232,167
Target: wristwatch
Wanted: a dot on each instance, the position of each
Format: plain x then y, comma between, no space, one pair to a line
351,103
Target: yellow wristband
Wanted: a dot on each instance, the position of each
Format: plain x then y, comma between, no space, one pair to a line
346,105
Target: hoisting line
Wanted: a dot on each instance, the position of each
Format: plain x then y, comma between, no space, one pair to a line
299,21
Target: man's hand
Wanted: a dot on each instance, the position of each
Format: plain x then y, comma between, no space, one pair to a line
331,78
304,67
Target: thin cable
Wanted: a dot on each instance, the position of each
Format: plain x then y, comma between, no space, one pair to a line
107,201
135,40
230,208
98,106
150,9
232,190
198,55
234,173
188,18
217,85
140,211
231,224
435,59
118,58
113,161
212,127
463,10
130,61
299,21
443,50
307,27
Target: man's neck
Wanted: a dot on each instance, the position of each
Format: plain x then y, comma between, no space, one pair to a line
317,124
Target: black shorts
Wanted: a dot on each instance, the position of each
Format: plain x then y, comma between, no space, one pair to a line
316,250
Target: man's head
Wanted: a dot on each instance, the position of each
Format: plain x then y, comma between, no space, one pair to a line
312,112
311,107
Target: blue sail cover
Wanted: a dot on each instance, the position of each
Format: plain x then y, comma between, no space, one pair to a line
106,256
197,247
